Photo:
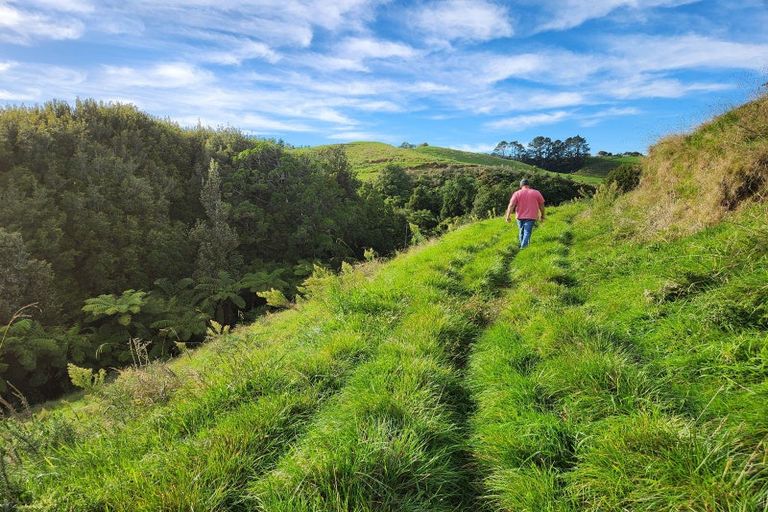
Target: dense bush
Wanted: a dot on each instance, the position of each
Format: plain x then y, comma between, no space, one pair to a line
626,177
97,199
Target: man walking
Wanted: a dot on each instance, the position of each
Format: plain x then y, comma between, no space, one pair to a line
526,203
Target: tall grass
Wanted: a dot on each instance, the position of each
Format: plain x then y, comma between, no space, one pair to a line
372,343
392,439
623,376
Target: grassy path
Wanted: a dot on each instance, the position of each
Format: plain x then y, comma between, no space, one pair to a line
587,401
393,438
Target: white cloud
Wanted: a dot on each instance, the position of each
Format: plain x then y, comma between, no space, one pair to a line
519,123
172,75
22,27
5,66
331,63
262,125
657,53
351,54
364,48
566,14
239,50
470,20
596,118
643,86
6,95
501,67
474,148
377,106
517,100
276,23
73,6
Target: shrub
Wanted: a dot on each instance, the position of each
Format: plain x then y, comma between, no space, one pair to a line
626,177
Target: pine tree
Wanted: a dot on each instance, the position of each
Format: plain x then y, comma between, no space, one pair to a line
218,241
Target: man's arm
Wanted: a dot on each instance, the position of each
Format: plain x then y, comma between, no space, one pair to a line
510,208
541,206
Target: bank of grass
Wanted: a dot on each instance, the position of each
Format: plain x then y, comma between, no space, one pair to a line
367,159
371,356
694,180
596,168
626,376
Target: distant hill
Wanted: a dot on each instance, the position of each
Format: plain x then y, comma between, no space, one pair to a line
598,167
474,158
368,158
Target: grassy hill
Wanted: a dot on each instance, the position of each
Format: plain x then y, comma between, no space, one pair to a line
469,157
598,167
368,158
618,363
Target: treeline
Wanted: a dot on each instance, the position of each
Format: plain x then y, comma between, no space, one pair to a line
433,201
117,225
554,155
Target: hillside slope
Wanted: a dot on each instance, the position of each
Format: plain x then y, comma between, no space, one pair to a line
592,371
694,180
368,158
469,157
598,167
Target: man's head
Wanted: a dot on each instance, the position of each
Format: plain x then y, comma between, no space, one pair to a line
524,183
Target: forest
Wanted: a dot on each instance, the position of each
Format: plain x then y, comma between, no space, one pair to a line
118,230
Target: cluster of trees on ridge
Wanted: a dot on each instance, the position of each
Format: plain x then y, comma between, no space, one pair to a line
117,226
554,155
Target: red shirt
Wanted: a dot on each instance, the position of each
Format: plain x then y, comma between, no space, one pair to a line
526,203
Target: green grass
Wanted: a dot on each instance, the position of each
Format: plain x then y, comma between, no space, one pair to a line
468,157
587,372
591,371
369,158
597,168
627,377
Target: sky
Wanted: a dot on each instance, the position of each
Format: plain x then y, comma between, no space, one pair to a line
458,73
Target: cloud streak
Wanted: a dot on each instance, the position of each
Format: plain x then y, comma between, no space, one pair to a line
468,20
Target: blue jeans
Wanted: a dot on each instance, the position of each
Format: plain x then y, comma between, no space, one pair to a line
526,226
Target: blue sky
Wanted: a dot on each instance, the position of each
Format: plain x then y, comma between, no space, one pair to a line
458,73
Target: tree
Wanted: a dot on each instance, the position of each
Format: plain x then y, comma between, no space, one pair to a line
554,155
395,184
458,195
501,149
219,296
425,196
23,279
217,241
626,176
